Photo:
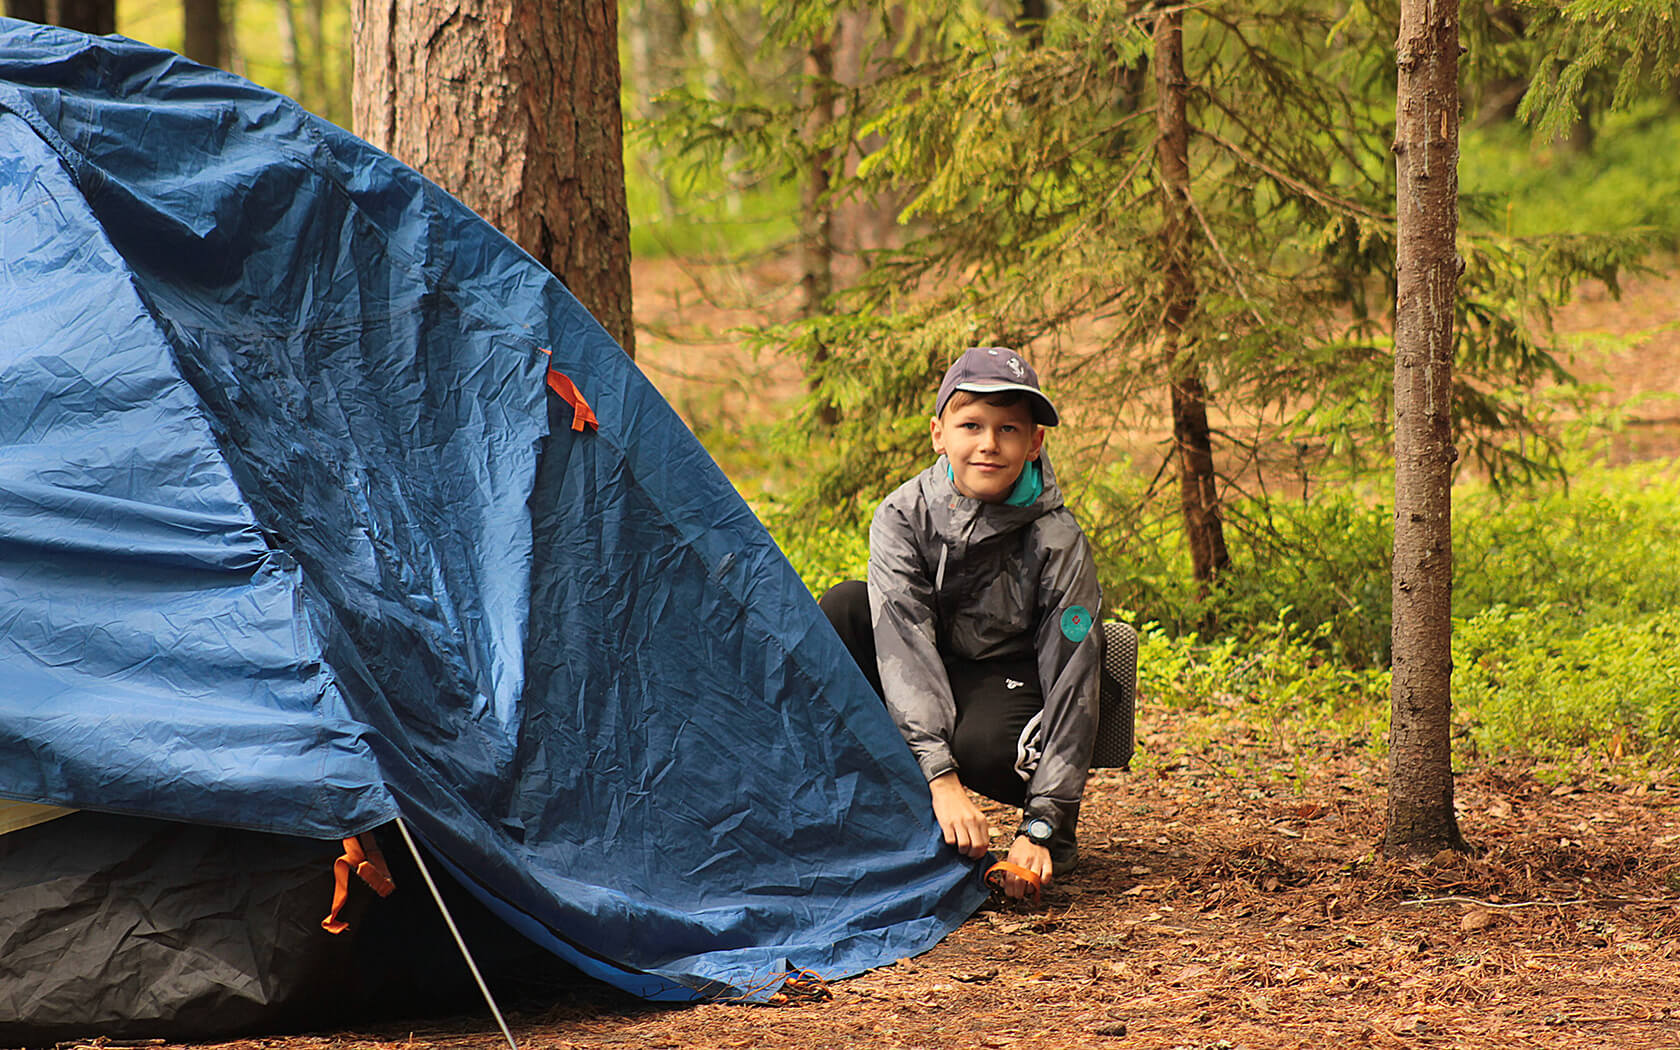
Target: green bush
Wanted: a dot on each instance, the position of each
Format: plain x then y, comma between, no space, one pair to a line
1604,546
1277,672
1539,681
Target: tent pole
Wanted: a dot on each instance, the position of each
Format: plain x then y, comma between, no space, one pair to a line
449,921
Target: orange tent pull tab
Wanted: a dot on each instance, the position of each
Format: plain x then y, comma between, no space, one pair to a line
369,865
582,414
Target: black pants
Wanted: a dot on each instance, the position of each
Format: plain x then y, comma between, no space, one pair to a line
999,702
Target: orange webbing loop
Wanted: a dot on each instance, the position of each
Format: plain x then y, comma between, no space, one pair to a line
582,414
369,866
995,874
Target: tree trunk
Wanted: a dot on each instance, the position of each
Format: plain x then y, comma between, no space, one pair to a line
513,108
1192,439
27,10
315,84
816,212
286,22
98,17
1031,21
201,31
1420,801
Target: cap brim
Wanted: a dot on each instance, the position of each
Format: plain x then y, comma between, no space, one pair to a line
1043,411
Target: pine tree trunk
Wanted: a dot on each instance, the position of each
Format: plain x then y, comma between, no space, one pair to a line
816,212
27,10
1420,802
98,17
1192,438
513,108
201,31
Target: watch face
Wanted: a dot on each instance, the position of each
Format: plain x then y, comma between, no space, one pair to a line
1039,830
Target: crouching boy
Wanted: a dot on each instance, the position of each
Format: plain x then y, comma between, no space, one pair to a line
976,623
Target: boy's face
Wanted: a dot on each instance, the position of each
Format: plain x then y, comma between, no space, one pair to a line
988,446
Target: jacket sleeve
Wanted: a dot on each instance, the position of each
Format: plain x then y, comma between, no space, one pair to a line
1069,648
901,608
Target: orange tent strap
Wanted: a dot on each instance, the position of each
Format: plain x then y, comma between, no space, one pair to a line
369,866
995,873
582,414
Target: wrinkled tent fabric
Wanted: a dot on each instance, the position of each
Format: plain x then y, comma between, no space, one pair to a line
294,539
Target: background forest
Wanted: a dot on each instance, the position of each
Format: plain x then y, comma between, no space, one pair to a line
827,202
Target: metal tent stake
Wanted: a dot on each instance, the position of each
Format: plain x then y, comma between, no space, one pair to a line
449,921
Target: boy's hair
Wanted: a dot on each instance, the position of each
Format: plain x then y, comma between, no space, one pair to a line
1000,399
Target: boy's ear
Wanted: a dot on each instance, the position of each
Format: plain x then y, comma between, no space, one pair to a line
1037,442
938,437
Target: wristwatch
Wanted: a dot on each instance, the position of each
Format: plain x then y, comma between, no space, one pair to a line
1038,830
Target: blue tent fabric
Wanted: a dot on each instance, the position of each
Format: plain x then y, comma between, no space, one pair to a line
294,538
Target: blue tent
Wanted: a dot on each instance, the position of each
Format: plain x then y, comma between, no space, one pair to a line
296,536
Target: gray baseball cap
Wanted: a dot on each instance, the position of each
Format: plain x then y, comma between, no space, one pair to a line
993,370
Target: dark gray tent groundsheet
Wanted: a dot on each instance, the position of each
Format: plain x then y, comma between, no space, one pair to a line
298,535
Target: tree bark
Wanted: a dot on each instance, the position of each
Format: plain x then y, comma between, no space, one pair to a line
1192,438
27,10
816,212
201,31
1421,820
98,17
514,109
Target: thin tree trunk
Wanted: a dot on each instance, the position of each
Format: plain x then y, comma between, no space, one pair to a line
286,21
28,10
1420,800
816,213
231,53
513,108
1192,438
201,31
90,16
1031,21
315,81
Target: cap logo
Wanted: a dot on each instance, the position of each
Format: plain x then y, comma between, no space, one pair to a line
1015,367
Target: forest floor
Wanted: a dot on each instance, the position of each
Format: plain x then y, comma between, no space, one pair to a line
1232,893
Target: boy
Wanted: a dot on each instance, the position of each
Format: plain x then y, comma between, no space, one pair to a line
976,622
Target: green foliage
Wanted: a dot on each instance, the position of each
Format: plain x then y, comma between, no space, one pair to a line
1536,681
717,220
1277,669
1625,182
1604,52
826,556
1603,547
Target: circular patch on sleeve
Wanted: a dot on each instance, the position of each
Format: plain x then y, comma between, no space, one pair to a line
1076,623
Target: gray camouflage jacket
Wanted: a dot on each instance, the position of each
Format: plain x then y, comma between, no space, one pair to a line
950,576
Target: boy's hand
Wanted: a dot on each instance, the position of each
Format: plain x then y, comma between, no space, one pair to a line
1030,855
960,819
